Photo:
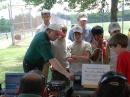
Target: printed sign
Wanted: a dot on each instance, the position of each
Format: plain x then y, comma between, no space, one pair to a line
91,74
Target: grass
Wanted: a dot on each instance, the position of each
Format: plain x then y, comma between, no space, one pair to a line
11,60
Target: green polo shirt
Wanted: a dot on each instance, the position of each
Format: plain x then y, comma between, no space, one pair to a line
39,51
29,95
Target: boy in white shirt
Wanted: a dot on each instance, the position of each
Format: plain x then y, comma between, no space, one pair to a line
80,51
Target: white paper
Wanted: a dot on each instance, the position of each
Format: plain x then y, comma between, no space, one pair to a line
91,73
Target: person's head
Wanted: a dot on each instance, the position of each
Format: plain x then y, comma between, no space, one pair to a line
114,28
82,19
54,31
112,84
118,42
46,15
64,32
97,32
77,33
44,80
31,83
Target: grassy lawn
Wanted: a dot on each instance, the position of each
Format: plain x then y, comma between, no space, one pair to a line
11,60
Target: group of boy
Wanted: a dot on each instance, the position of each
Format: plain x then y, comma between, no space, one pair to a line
86,44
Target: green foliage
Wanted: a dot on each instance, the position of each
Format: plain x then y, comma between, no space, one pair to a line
34,2
48,4
101,17
126,16
84,4
4,25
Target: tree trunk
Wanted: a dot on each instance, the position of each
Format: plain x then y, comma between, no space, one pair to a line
114,10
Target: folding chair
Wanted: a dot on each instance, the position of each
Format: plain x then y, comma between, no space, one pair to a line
12,82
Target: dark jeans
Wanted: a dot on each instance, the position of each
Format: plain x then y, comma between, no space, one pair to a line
28,67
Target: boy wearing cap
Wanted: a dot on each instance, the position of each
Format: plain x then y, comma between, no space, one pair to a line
119,43
113,29
46,16
82,22
80,51
40,53
99,46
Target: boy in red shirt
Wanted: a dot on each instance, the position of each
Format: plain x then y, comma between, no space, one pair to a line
119,43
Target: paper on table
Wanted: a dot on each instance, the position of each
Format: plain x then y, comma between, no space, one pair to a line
91,74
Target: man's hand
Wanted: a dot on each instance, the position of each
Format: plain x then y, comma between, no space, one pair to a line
70,59
58,67
75,57
70,76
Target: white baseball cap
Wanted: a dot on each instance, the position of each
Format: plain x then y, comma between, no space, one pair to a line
83,19
77,29
45,11
56,27
114,26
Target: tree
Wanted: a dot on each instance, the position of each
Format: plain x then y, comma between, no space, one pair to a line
47,4
114,10
84,4
72,3
4,25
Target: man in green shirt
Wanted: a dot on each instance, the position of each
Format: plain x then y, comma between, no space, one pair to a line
40,53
